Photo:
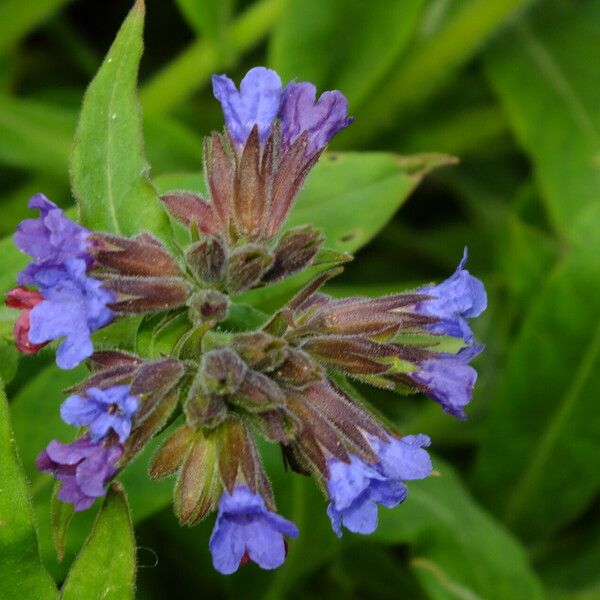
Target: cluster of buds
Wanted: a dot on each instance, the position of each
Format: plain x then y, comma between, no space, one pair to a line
282,381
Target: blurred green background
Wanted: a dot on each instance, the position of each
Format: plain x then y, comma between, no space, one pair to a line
512,88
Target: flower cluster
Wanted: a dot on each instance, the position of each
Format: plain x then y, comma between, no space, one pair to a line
285,381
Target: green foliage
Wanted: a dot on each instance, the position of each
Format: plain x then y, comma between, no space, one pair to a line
105,568
21,570
108,168
512,87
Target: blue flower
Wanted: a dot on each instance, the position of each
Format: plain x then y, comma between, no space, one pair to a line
460,297
84,467
321,119
449,379
245,525
257,102
50,240
74,306
357,488
102,410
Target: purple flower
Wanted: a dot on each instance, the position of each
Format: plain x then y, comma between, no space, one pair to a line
84,467
357,488
50,240
449,379
74,306
455,299
257,102
245,525
102,410
321,119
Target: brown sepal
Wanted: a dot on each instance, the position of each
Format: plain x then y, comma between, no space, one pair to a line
259,350
171,454
246,267
207,258
191,210
105,359
147,294
220,170
152,382
151,425
257,393
299,369
197,489
140,256
295,251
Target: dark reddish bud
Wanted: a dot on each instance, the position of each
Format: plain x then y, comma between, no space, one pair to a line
191,210
206,259
23,299
21,333
208,306
221,372
279,425
259,350
295,251
148,294
246,267
220,170
120,374
142,255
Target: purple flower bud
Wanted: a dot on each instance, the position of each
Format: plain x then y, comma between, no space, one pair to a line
84,467
245,525
357,488
50,240
74,306
257,102
453,300
102,410
321,119
449,379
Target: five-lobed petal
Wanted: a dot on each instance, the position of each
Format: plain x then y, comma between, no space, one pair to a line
245,525
357,488
84,467
74,306
102,410
459,297
256,103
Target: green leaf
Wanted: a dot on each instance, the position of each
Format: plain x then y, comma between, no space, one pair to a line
355,63
550,93
21,570
18,18
457,549
105,568
543,430
430,64
210,18
108,168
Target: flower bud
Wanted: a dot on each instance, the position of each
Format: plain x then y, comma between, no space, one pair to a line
259,350
247,265
221,372
206,259
208,306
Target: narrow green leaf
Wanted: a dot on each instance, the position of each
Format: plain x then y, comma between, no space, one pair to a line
355,63
61,515
105,568
551,97
19,18
210,18
429,65
543,432
108,168
21,571
457,549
